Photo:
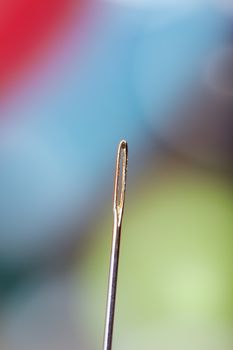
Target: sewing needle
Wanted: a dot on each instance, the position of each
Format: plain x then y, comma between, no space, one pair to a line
118,209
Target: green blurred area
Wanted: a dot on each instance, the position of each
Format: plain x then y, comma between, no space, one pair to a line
176,267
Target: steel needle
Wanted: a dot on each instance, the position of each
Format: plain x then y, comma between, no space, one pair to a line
118,210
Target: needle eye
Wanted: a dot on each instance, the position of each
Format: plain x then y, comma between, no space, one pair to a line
120,177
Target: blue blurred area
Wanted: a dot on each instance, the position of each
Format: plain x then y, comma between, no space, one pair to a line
58,143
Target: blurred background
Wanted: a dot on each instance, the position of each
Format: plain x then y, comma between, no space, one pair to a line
77,76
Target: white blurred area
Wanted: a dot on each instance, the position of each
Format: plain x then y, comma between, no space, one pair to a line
226,6
159,3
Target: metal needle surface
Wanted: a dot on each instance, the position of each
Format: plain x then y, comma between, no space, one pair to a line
118,210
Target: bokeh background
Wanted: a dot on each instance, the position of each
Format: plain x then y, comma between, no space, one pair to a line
77,76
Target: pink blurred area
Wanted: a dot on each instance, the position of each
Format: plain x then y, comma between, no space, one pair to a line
28,30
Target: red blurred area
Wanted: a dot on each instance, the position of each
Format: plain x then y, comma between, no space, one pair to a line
25,27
